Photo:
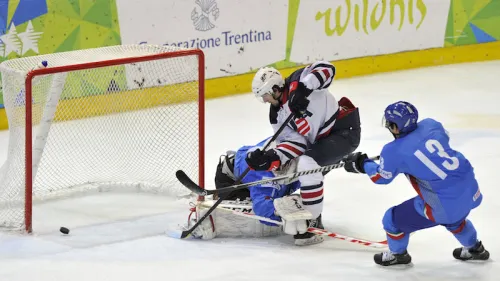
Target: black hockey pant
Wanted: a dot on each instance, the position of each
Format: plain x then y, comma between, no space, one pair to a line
332,148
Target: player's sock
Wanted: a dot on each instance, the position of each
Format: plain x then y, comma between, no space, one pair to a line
390,258
478,252
464,232
309,238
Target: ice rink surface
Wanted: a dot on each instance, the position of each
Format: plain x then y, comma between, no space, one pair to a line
121,236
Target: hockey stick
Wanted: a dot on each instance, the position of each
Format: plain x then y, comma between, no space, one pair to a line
317,231
185,180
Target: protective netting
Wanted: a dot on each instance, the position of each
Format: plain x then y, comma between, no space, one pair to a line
126,127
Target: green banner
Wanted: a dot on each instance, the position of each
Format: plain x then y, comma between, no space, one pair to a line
35,27
473,22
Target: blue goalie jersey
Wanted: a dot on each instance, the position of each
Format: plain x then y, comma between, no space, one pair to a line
443,178
262,195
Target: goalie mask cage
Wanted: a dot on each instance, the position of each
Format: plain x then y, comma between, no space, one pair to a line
121,118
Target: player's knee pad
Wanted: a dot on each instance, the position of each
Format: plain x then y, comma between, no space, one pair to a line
457,227
388,222
307,163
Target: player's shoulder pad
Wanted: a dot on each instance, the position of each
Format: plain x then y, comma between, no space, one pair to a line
391,151
295,76
431,124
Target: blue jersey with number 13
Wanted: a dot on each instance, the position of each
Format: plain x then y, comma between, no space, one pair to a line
443,178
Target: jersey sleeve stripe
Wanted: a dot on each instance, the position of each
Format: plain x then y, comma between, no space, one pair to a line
327,73
324,65
286,154
290,149
298,144
320,79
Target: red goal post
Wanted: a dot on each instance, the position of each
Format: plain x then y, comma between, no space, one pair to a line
101,119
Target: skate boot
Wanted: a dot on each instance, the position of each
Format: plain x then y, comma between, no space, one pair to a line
389,258
475,253
308,238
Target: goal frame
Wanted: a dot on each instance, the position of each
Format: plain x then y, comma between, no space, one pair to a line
28,205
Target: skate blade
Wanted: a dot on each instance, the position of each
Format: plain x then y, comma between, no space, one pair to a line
396,266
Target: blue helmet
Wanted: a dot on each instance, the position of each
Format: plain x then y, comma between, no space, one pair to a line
403,114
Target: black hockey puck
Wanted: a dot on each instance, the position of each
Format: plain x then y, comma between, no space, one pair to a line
64,230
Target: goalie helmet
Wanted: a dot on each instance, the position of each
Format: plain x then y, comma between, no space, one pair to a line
266,80
403,114
224,177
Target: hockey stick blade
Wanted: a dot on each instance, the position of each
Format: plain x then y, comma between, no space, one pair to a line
189,184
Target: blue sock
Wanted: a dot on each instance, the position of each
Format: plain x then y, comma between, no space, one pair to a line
465,233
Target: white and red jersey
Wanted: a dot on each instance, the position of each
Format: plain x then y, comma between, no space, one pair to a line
320,117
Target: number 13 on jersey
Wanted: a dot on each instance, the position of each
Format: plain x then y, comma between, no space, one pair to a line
449,163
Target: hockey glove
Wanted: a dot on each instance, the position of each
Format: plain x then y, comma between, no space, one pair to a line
354,162
263,160
298,101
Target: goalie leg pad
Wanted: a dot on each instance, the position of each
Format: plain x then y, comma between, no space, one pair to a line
206,230
228,224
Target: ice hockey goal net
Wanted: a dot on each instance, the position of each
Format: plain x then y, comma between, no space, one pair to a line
114,118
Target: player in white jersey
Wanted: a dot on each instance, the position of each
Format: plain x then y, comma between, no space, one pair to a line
323,129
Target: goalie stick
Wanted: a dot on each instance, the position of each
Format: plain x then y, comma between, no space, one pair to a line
187,182
318,231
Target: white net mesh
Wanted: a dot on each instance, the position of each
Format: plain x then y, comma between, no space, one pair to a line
127,127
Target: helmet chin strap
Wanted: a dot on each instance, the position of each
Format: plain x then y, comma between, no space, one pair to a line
276,97
277,93
390,127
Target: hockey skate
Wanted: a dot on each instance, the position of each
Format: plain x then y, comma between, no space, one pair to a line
308,238
389,258
478,252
